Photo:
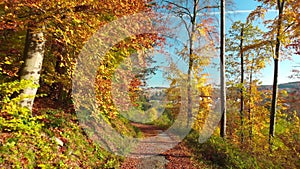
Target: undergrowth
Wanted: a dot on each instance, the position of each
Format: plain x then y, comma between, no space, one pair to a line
49,137
222,153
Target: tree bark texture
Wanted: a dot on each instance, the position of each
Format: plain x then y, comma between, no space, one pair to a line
32,66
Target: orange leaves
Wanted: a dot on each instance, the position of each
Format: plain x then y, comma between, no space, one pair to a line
69,24
258,12
122,7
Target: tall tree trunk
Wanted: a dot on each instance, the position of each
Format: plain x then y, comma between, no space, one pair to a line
242,105
280,5
191,61
222,73
33,59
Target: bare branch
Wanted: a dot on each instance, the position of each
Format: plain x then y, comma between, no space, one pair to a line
290,25
179,6
180,13
186,27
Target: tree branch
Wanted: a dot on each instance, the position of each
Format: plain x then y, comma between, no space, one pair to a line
187,28
179,6
208,7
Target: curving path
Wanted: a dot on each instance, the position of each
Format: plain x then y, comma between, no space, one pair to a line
178,157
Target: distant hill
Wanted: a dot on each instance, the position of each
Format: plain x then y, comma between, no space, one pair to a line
290,85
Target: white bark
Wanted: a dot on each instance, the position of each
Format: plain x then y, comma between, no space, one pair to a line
33,59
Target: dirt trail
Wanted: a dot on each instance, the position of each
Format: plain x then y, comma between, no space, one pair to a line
178,157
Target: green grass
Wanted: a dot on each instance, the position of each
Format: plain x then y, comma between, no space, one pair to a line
218,153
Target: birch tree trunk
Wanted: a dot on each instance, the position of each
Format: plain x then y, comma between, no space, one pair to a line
191,61
33,59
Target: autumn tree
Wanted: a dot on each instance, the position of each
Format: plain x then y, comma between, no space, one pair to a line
284,26
280,7
32,18
57,31
281,30
244,65
201,34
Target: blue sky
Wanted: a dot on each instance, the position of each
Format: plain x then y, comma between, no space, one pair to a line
240,12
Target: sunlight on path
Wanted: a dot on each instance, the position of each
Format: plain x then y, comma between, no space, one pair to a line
177,157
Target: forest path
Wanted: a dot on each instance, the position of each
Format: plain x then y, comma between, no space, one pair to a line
178,157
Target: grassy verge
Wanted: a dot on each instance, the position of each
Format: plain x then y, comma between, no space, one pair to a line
219,153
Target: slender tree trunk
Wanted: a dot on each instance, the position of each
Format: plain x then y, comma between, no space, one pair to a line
280,5
33,59
189,93
250,114
191,61
222,73
274,102
242,105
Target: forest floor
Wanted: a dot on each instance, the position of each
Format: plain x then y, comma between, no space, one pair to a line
62,142
178,157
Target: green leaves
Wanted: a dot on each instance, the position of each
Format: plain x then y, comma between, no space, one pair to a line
16,118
